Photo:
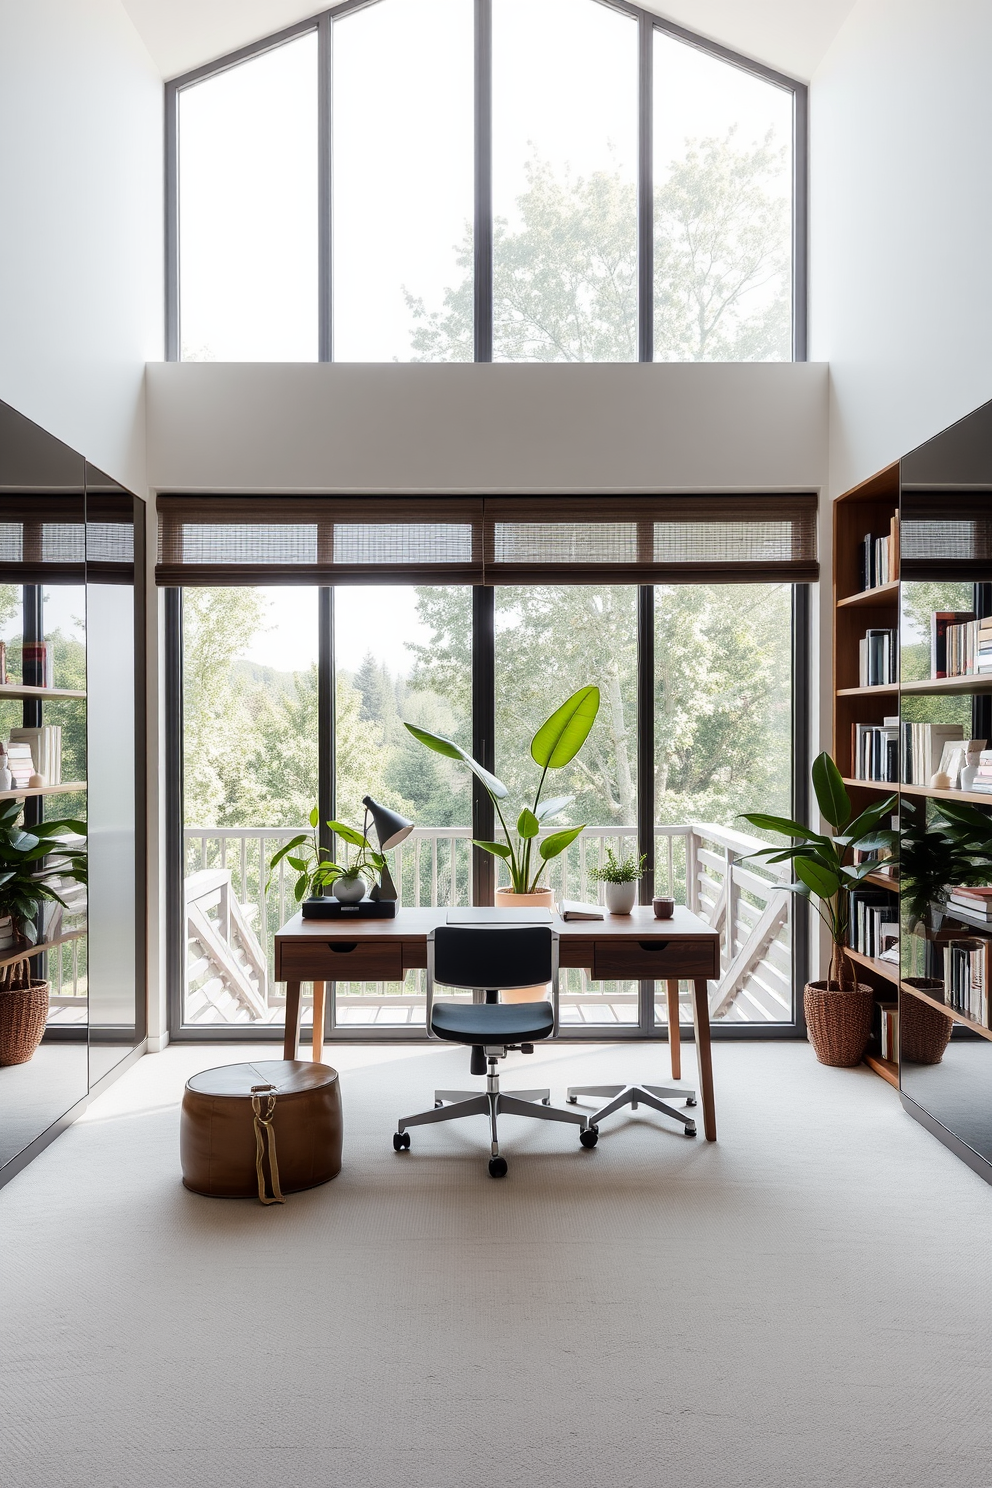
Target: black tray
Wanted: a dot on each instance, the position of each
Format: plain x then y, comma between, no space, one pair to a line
333,909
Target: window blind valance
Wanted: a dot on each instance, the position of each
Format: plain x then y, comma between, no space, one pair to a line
225,540
946,535
42,539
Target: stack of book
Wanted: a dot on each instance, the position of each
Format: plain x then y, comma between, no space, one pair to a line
45,745
965,649
875,751
21,763
976,903
982,782
923,749
6,934
873,925
889,1030
880,557
38,663
966,978
878,653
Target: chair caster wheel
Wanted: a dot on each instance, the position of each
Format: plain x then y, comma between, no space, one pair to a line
545,1100
590,1136
497,1167
572,1100
438,1105
401,1141
691,1101
690,1131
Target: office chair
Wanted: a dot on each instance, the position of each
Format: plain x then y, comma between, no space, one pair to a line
484,958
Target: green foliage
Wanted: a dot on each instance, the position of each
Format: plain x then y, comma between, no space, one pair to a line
949,847
618,870
554,746
315,868
824,865
32,863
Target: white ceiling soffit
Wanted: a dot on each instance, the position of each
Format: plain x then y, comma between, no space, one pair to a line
791,35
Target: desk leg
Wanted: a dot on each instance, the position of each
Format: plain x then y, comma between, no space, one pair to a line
291,1042
318,1021
701,1023
674,1031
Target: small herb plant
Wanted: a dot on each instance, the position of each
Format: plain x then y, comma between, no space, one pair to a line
618,870
555,745
314,866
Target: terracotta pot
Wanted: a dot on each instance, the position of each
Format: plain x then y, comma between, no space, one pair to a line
838,1023
539,899
924,1032
23,1015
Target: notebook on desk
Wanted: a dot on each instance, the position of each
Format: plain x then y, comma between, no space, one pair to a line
485,915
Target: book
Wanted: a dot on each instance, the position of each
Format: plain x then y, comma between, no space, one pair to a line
878,657
45,745
889,1030
573,909
923,749
940,620
37,664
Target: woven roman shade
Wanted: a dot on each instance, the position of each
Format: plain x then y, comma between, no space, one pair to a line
946,535
42,539
224,540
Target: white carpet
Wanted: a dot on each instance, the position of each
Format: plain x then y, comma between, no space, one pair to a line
808,1302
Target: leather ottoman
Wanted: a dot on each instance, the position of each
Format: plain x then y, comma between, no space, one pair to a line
267,1128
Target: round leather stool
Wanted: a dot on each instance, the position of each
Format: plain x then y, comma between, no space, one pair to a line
266,1128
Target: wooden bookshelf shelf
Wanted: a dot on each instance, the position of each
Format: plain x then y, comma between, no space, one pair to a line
976,797
880,691
883,881
43,790
887,1068
881,786
942,686
36,950
948,1012
13,690
888,970
872,599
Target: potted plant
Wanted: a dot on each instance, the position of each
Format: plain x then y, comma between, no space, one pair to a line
316,870
555,745
838,1010
619,878
32,863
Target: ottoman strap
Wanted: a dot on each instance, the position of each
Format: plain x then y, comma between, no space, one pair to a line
264,1128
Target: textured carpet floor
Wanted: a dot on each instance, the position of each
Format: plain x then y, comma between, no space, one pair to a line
808,1302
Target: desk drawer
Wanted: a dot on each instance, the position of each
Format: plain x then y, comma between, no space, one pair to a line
652,960
342,960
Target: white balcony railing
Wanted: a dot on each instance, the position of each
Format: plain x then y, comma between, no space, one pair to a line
231,920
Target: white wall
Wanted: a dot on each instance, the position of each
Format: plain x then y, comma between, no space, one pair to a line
256,427
81,208
901,174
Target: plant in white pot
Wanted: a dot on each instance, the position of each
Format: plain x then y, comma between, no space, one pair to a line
619,877
554,746
316,870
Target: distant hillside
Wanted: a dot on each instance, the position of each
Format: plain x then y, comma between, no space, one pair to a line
278,684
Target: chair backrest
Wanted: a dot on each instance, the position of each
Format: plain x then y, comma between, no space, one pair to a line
488,956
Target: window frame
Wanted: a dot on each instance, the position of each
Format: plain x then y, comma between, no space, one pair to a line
647,23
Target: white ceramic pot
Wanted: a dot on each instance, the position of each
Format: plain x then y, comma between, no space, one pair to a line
540,899
620,897
349,890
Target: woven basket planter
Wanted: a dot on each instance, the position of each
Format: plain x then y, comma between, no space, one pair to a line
924,1031
23,1014
838,1023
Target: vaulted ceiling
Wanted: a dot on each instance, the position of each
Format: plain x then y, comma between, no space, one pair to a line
791,35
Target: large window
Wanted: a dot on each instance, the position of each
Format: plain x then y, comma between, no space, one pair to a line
488,180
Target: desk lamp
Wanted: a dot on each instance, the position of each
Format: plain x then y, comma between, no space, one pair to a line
391,829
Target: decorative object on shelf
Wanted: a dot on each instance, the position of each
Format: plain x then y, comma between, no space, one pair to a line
37,664
838,1011
45,744
923,1031
316,870
619,878
554,746
32,864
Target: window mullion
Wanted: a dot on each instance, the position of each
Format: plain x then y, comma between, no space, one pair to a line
483,229
325,199
645,188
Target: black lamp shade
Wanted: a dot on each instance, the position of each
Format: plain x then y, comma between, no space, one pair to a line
391,828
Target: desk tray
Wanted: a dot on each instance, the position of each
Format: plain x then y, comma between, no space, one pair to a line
333,909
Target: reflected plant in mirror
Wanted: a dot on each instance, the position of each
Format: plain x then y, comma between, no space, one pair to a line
951,847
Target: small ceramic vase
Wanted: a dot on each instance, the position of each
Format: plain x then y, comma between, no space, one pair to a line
620,897
349,890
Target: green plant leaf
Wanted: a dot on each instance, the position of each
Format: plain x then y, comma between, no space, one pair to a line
498,849
286,848
298,864
560,738
547,809
314,817
300,890
348,834
558,841
831,793
821,880
783,824
454,751
528,824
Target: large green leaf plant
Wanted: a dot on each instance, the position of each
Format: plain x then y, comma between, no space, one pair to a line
824,865
554,746
33,861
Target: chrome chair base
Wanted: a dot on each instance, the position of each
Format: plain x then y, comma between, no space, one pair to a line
654,1096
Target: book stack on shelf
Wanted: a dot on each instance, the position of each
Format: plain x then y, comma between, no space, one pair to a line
880,557
982,782
38,663
21,763
44,745
878,654
966,978
876,751
888,1034
961,645
873,927
923,749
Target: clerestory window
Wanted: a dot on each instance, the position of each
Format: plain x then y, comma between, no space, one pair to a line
486,180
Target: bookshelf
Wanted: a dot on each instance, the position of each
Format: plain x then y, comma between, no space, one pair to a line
37,694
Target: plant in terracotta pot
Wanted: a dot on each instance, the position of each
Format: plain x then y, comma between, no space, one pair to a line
33,862
619,877
838,1010
317,871
554,746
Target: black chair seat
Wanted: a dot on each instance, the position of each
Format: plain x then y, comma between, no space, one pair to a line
492,1022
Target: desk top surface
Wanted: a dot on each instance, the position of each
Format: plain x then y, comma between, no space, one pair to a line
416,924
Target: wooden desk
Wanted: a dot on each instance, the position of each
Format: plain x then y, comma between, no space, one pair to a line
636,947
